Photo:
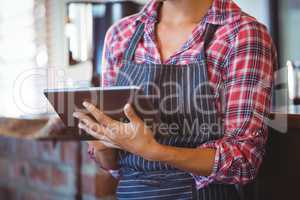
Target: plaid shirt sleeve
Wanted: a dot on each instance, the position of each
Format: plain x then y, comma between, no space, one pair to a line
247,89
109,64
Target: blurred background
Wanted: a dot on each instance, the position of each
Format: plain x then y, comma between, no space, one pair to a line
58,43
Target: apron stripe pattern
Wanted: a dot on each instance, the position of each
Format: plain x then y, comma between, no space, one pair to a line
191,106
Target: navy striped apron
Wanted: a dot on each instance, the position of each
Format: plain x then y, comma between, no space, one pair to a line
186,102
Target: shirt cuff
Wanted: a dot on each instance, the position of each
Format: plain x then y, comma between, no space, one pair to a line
203,181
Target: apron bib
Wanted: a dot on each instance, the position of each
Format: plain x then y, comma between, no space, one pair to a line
186,103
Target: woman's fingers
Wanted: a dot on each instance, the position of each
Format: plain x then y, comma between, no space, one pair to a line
109,144
83,117
95,129
88,121
97,132
97,114
131,115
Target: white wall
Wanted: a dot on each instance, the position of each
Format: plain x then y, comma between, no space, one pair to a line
256,8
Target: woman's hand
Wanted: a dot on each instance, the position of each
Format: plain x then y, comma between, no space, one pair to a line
136,138
133,137
97,145
102,144
107,157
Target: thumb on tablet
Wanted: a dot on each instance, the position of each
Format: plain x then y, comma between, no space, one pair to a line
130,114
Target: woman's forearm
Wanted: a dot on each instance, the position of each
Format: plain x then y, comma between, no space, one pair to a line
197,161
108,159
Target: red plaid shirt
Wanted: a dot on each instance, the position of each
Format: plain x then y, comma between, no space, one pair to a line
241,60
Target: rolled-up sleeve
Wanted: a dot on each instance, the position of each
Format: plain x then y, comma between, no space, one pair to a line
247,93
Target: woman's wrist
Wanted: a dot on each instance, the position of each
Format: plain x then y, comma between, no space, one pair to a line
102,150
154,152
107,159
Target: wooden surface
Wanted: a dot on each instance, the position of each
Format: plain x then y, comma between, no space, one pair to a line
30,129
40,129
285,116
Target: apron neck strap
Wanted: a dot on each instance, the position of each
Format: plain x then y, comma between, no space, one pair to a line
134,41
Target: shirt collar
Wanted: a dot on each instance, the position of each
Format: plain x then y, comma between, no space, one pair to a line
221,12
